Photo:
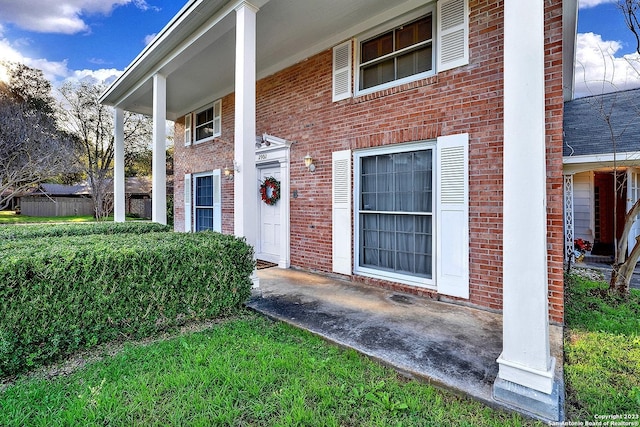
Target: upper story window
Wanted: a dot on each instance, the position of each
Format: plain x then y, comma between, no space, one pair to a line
208,122
411,47
204,125
402,52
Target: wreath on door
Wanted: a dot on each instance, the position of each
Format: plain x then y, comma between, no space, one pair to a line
270,191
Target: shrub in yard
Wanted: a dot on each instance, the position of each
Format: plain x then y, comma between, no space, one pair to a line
13,232
64,294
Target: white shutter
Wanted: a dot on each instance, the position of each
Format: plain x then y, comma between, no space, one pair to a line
452,215
342,71
217,118
341,211
217,203
187,130
187,202
453,34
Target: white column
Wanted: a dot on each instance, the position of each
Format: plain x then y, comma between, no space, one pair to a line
526,367
118,169
245,179
159,164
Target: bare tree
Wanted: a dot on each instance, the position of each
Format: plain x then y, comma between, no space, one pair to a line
608,108
32,148
92,124
630,11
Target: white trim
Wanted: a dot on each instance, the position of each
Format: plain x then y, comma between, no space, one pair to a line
382,274
188,129
215,120
188,205
540,380
605,157
151,59
216,206
387,26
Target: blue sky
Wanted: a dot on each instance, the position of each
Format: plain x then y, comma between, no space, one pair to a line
76,39
606,59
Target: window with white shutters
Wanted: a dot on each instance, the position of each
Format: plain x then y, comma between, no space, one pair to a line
409,48
207,122
395,213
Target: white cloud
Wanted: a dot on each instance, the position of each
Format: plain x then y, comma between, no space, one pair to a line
61,16
598,70
149,38
57,72
585,4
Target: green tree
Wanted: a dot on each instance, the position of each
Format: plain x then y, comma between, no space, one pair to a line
33,148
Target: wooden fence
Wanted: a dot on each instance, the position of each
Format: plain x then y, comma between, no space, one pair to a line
56,206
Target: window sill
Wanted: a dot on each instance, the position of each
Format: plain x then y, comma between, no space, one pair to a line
211,138
398,278
427,81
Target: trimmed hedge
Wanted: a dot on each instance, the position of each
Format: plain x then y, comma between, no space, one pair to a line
13,232
61,295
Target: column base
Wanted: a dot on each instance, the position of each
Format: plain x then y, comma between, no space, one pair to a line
255,280
541,405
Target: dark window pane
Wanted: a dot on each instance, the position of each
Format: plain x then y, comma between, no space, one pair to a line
397,67
204,132
425,29
414,62
378,74
204,191
380,46
204,219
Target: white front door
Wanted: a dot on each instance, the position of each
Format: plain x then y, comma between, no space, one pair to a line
633,194
270,221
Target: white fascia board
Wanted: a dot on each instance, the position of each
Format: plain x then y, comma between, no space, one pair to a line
600,158
150,61
569,34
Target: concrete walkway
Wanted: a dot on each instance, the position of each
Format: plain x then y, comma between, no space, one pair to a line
453,346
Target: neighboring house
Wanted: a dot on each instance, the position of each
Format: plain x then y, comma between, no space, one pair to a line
417,144
57,200
601,134
67,200
138,195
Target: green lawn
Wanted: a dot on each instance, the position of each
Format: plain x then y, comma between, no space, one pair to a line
250,371
602,351
10,217
244,371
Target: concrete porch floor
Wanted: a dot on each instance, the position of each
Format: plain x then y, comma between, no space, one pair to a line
452,346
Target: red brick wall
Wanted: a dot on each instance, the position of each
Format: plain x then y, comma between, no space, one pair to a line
295,104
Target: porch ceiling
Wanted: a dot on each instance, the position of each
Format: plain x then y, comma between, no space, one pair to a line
196,50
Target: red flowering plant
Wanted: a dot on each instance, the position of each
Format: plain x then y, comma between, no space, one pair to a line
582,245
270,191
